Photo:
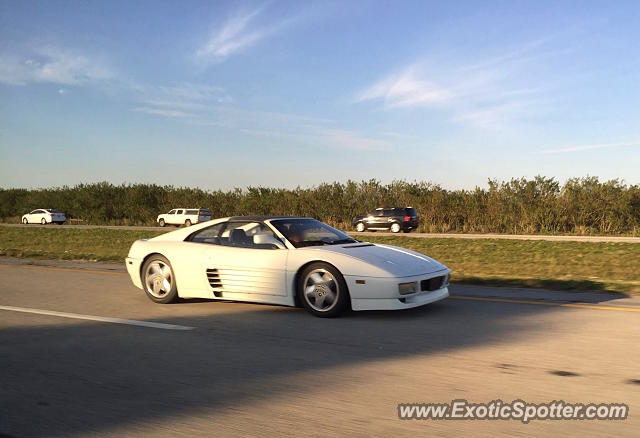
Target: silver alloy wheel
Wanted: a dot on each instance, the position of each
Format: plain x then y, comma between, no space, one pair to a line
395,228
25,221
161,222
360,227
43,221
158,279
321,290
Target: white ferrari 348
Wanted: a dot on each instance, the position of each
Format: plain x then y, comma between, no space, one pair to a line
286,261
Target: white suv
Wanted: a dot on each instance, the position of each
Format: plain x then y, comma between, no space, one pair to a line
186,216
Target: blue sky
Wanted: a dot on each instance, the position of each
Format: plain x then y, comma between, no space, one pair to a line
232,94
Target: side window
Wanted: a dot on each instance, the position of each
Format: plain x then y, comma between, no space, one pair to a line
191,212
376,213
178,211
172,212
387,212
249,235
208,235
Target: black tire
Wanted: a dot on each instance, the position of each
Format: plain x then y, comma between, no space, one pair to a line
25,221
43,221
395,227
361,225
342,300
187,223
406,231
161,222
172,295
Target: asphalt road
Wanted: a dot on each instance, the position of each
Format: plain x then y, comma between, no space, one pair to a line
619,239
236,369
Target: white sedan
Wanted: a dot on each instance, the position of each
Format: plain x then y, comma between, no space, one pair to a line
286,261
44,216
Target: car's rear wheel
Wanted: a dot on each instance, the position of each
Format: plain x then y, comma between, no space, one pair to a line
187,223
161,222
43,221
158,280
322,290
360,227
395,227
25,221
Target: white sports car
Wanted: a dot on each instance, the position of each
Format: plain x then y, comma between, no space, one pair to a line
287,261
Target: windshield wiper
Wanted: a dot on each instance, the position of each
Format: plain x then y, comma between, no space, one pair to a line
313,243
347,240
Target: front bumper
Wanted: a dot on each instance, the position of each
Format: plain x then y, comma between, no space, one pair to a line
415,300
375,293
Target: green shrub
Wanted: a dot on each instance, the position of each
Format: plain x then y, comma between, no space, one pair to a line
519,206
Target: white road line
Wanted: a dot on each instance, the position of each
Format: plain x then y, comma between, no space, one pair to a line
157,325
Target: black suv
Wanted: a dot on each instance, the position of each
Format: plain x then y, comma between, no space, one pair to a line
395,219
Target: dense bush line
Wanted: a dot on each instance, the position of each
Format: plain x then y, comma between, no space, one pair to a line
539,205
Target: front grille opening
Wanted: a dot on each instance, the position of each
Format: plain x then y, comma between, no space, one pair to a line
432,284
214,278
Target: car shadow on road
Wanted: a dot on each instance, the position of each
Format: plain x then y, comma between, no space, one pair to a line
70,378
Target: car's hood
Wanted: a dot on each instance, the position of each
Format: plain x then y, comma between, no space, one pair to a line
397,261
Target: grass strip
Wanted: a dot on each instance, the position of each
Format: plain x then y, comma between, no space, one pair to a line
555,265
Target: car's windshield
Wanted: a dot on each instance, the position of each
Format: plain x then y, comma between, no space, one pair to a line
310,232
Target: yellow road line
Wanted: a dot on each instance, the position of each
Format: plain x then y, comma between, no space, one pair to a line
548,303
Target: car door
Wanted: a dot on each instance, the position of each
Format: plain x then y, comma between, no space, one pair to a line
178,218
31,216
238,266
378,220
37,216
171,217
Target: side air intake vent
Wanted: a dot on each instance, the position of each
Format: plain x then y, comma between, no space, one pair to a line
432,284
214,278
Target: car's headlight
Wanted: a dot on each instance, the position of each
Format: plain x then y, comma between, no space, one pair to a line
407,288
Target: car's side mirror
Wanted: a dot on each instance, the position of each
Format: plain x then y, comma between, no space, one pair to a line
267,239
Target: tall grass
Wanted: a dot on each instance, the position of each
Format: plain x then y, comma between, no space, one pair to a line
520,206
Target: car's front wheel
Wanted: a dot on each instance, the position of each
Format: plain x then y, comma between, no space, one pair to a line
25,221
395,227
161,222
360,227
43,221
158,280
322,290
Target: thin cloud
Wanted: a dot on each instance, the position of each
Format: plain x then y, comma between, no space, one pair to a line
346,139
489,92
186,100
53,65
406,90
587,147
237,34
163,112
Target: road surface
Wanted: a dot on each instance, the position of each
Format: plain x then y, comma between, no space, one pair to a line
612,239
83,352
